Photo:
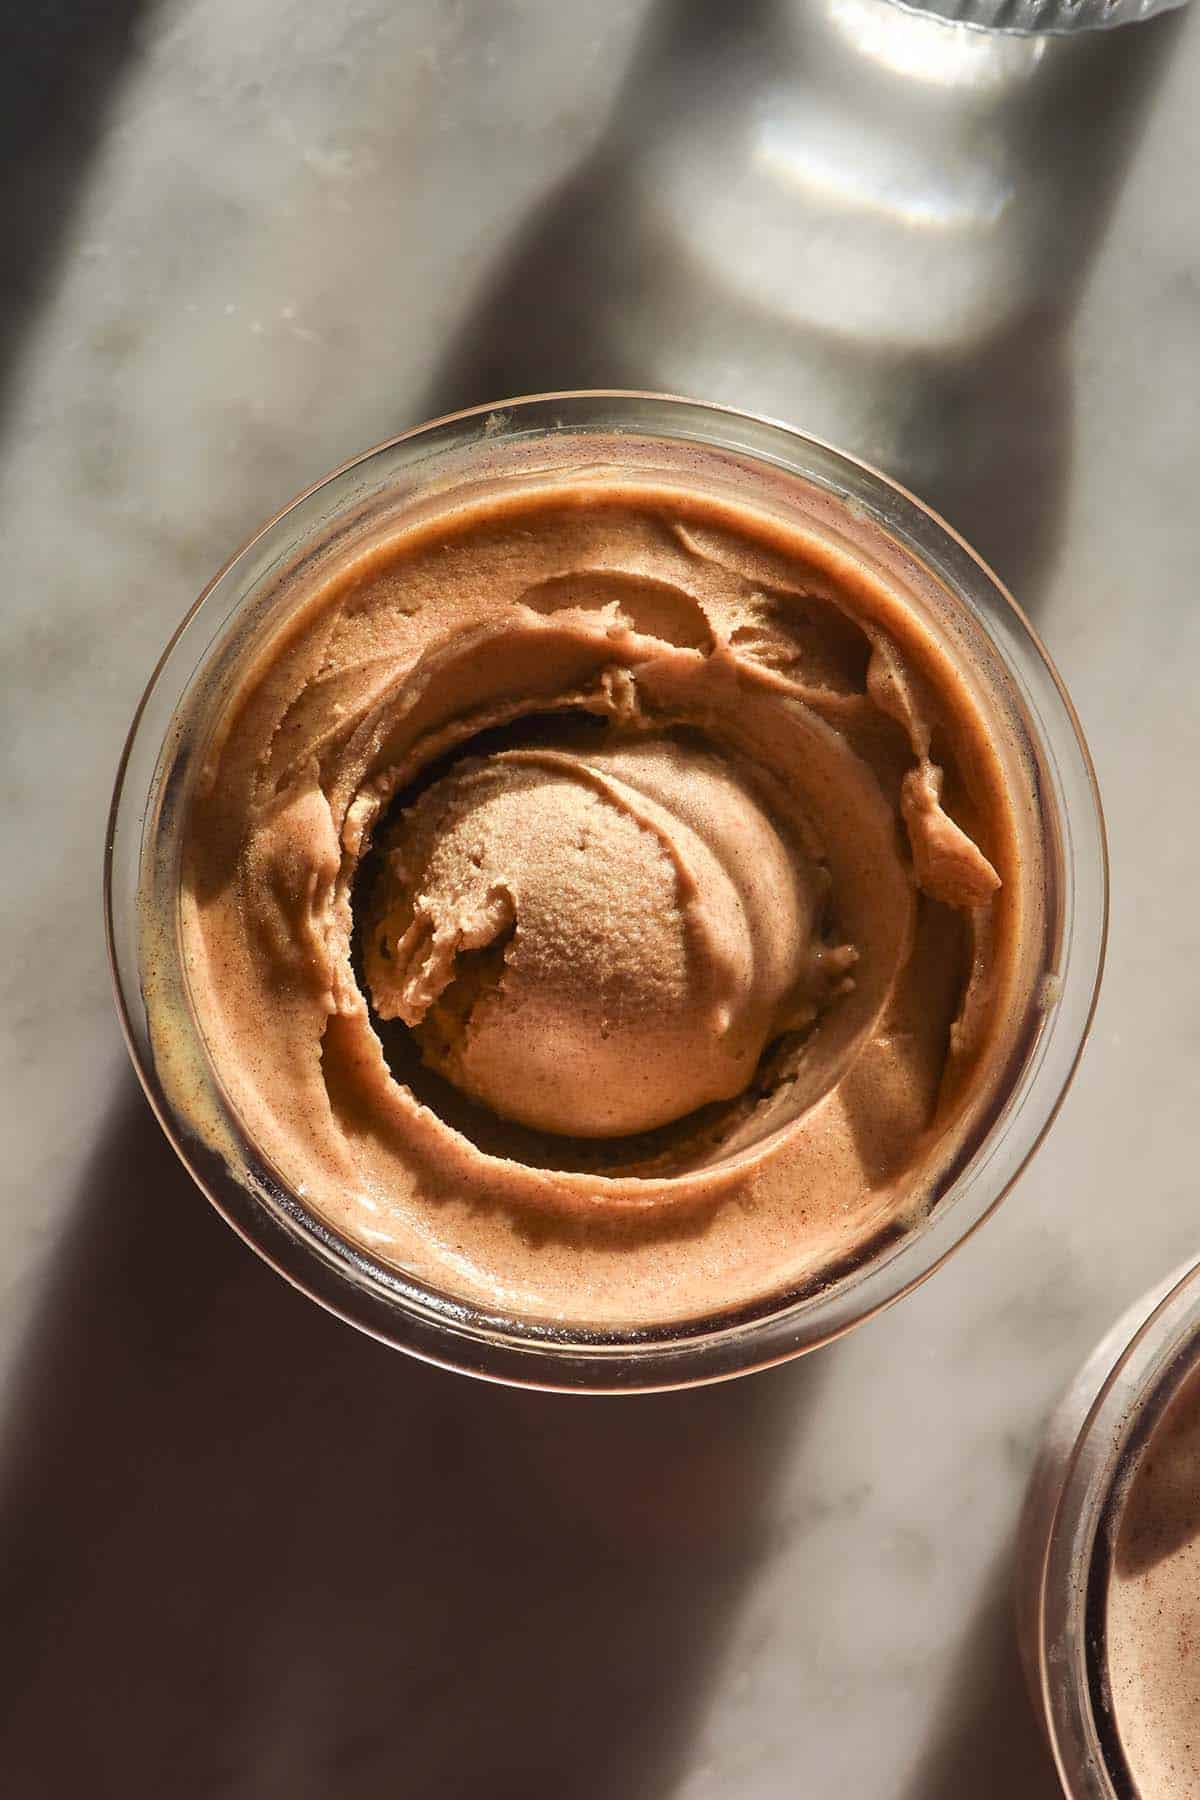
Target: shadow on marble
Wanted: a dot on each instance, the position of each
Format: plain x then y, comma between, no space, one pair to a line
246,1549
987,1742
59,68
834,212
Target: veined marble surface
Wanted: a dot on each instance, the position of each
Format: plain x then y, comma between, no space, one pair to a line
244,1552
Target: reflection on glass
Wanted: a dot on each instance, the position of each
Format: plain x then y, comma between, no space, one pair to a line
871,223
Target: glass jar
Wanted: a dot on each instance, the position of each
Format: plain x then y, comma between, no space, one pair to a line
1071,1519
540,440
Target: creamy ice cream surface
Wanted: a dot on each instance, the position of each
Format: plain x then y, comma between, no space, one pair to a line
646,932
1153,1612
609,904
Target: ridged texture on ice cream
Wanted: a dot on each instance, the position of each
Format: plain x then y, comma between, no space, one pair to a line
607,903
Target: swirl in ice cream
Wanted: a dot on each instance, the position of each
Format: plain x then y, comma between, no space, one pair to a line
606,902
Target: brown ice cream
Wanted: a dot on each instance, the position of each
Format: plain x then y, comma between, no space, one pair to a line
1153,1613
609,903
650,933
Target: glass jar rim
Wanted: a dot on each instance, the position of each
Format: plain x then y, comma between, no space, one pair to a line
395,1310
1136,1372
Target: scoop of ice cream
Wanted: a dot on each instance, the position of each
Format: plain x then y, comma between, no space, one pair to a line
596,941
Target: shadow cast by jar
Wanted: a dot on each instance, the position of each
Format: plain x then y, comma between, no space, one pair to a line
60,67
987,1742
248,1550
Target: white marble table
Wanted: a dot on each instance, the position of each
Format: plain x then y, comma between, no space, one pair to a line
245,1553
